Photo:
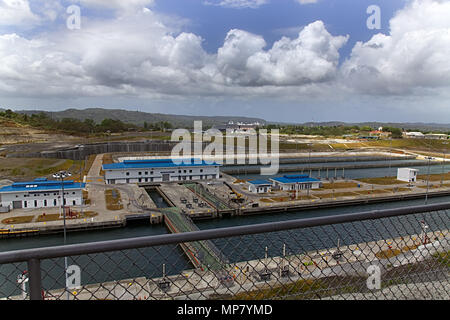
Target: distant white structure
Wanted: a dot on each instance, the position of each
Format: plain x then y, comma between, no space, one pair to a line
407,174
414,135
437,136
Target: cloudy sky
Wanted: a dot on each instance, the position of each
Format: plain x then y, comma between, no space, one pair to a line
282,60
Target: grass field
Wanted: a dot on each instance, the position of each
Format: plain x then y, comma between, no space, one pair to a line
337,195
382,180
434,177
56,216
113,200
31,168
339,185
18,220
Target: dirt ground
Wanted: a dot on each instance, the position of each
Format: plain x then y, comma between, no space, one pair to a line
25,169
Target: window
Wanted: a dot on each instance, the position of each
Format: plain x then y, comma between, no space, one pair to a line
146,173
201,170
140,173
128,173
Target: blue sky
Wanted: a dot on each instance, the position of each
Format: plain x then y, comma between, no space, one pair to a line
282,60
280,18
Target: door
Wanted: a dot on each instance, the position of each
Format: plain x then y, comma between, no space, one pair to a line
17,204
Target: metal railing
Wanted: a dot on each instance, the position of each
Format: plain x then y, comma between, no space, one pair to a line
385,254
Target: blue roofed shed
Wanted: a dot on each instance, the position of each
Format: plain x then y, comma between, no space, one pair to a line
296,182
259,186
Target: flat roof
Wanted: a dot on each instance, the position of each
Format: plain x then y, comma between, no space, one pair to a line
287,179
42,184
158,163
260,182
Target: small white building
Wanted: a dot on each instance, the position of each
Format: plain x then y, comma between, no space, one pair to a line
296,182
259,186
414,135
41,193
437,136
159,170
407,174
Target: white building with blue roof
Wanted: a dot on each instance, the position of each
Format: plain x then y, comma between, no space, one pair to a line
41,193
259,186
160,170
296,182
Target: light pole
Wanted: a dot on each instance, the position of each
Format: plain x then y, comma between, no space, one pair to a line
443,164
428,179
61,176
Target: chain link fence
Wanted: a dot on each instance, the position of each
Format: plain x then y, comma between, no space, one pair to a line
389,254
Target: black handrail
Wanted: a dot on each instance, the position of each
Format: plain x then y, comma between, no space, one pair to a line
167,239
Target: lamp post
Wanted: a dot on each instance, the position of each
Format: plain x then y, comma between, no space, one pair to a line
61,176
428,179
443,164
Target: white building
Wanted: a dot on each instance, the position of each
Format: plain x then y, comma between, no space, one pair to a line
437,136
407,174
414,135
159,170
296,182
41,193
259,186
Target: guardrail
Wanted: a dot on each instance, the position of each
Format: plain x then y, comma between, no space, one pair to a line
392,254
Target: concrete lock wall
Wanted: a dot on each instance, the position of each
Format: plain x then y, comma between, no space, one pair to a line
83,151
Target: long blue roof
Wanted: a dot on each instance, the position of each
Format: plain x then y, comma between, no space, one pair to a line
260,182
295,179
157,163
42,184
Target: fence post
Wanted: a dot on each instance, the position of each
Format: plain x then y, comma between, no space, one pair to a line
34,273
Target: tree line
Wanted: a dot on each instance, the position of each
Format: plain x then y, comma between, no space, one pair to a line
75,126
338,130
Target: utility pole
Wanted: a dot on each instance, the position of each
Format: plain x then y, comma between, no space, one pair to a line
428,180
61,176
443,165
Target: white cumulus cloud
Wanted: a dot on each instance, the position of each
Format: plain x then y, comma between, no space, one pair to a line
311,57
17,12
413,56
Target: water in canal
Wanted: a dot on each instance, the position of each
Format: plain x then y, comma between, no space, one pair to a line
157,198
148,262
350,173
